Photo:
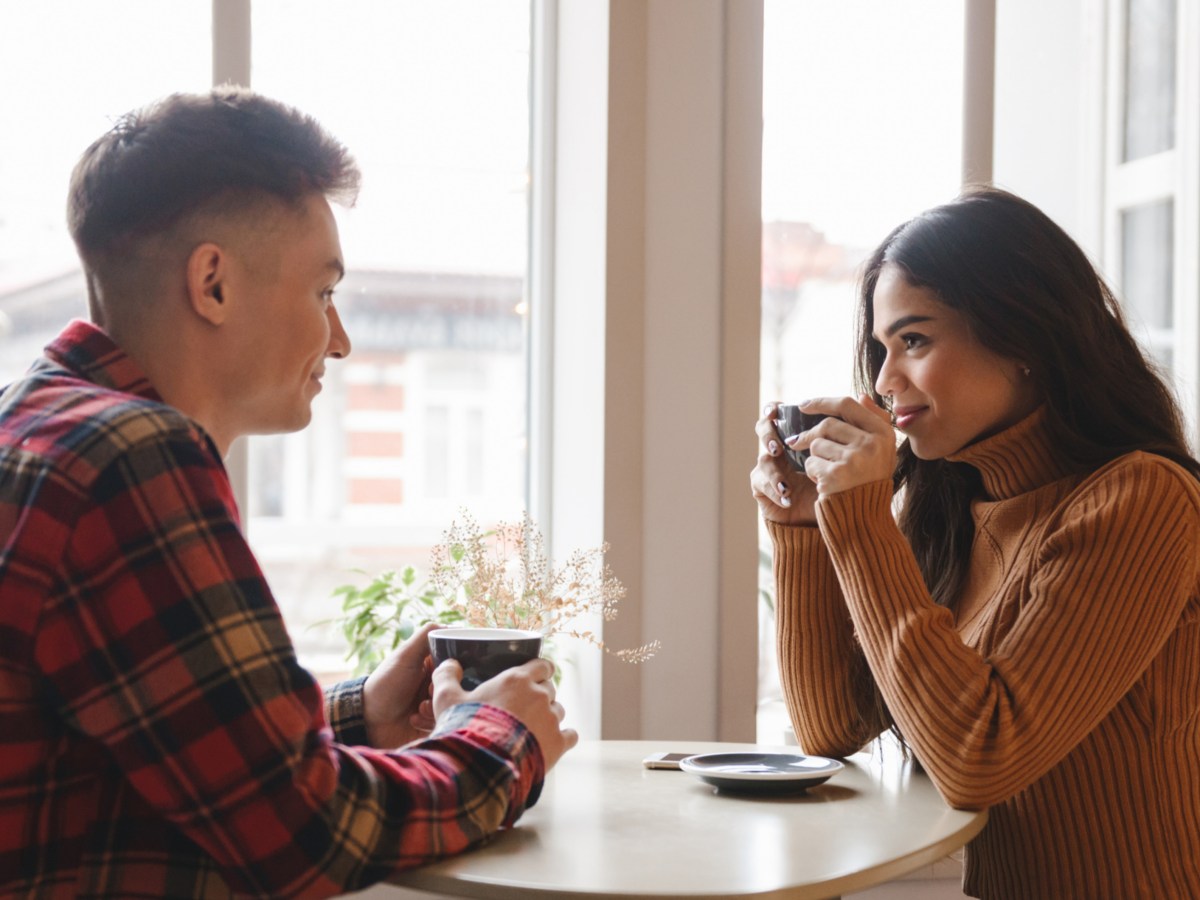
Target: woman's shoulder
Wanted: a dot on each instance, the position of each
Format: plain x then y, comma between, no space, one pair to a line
1143,479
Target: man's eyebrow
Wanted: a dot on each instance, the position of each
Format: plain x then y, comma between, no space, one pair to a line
904,322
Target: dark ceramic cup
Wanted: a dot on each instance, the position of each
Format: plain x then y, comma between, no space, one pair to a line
789,421
484,652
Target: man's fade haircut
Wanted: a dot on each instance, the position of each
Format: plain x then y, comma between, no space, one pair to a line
188,153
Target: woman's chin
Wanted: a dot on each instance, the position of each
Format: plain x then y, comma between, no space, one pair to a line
927,450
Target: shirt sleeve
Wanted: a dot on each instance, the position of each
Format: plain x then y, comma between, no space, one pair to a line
830,695
1114,573
166,647
344,711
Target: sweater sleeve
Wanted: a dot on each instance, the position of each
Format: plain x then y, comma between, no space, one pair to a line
827,687
1113,575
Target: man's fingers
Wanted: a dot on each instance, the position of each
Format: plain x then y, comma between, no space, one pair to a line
448,674
570,738
415,650
537,670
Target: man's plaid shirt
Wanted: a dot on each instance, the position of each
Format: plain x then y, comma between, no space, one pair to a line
157,736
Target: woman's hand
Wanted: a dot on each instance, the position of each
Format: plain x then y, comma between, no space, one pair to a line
854,446
784,495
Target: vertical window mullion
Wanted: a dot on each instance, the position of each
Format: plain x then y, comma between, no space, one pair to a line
231,53
231,49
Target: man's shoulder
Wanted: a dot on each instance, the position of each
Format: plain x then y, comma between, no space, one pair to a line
75,424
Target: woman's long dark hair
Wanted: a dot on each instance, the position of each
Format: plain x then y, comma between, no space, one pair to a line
1028,293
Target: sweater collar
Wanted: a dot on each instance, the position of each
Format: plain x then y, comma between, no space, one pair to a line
86,350
1019,459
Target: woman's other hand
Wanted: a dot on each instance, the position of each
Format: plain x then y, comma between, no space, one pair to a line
784,495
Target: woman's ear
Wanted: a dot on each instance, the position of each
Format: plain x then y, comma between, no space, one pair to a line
207,271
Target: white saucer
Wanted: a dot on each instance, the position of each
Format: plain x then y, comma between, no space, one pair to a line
761,772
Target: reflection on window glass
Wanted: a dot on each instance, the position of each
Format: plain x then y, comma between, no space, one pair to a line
436,429
1149,77
1147,267
433,101
64,84
861,131
474,438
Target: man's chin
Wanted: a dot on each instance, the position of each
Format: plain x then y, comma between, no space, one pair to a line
298,421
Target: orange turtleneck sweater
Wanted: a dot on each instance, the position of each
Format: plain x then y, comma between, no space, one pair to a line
1062,692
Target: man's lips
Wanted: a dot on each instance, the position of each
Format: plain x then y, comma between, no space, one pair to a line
904,415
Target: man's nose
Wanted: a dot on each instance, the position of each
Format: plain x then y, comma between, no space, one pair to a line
339,341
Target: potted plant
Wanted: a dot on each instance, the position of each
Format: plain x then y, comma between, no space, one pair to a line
501,578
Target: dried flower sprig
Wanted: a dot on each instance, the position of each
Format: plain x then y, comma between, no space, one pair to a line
504,579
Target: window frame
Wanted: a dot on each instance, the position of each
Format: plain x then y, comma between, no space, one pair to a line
1169,175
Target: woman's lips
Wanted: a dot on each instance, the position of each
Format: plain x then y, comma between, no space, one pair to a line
905,415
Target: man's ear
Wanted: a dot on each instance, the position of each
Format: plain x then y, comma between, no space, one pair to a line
207,275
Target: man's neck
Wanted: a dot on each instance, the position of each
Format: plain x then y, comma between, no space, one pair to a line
178,369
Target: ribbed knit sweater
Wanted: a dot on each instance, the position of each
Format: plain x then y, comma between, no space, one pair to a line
1062,691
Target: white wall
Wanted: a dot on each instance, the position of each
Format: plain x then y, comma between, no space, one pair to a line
656,283
1048,101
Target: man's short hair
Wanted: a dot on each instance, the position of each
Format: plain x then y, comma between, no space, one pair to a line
189,153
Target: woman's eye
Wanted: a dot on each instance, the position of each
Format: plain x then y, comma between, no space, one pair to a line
912,341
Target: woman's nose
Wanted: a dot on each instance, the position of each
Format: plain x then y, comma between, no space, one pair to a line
887,382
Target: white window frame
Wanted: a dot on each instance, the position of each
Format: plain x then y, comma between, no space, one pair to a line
644,286
657,223
1170,175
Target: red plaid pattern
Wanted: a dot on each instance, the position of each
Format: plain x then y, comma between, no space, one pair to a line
157,736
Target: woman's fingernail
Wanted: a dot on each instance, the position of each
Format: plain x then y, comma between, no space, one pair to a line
785,501
773,448
783,488
791,439
767,409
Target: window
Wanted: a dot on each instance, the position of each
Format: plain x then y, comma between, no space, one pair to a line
861,130
61,92
1148,125
433,99
1147,272
1151,194
428,413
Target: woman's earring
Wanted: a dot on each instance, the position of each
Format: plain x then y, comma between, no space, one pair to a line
1025,371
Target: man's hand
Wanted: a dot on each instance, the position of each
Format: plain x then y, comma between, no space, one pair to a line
396,702
525,691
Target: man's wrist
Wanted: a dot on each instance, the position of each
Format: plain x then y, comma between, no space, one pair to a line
344,709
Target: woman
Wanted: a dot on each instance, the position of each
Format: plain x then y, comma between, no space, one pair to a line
1029,618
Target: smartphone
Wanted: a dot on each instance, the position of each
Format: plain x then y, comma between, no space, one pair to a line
664,760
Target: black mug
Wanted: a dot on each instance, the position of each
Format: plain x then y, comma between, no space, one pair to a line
484,652
790,421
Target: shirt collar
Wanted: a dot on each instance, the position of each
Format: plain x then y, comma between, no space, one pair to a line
85,349
1019,459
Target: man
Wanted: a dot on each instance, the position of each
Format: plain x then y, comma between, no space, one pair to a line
159,737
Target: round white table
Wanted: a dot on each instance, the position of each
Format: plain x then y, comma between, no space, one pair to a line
607,827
